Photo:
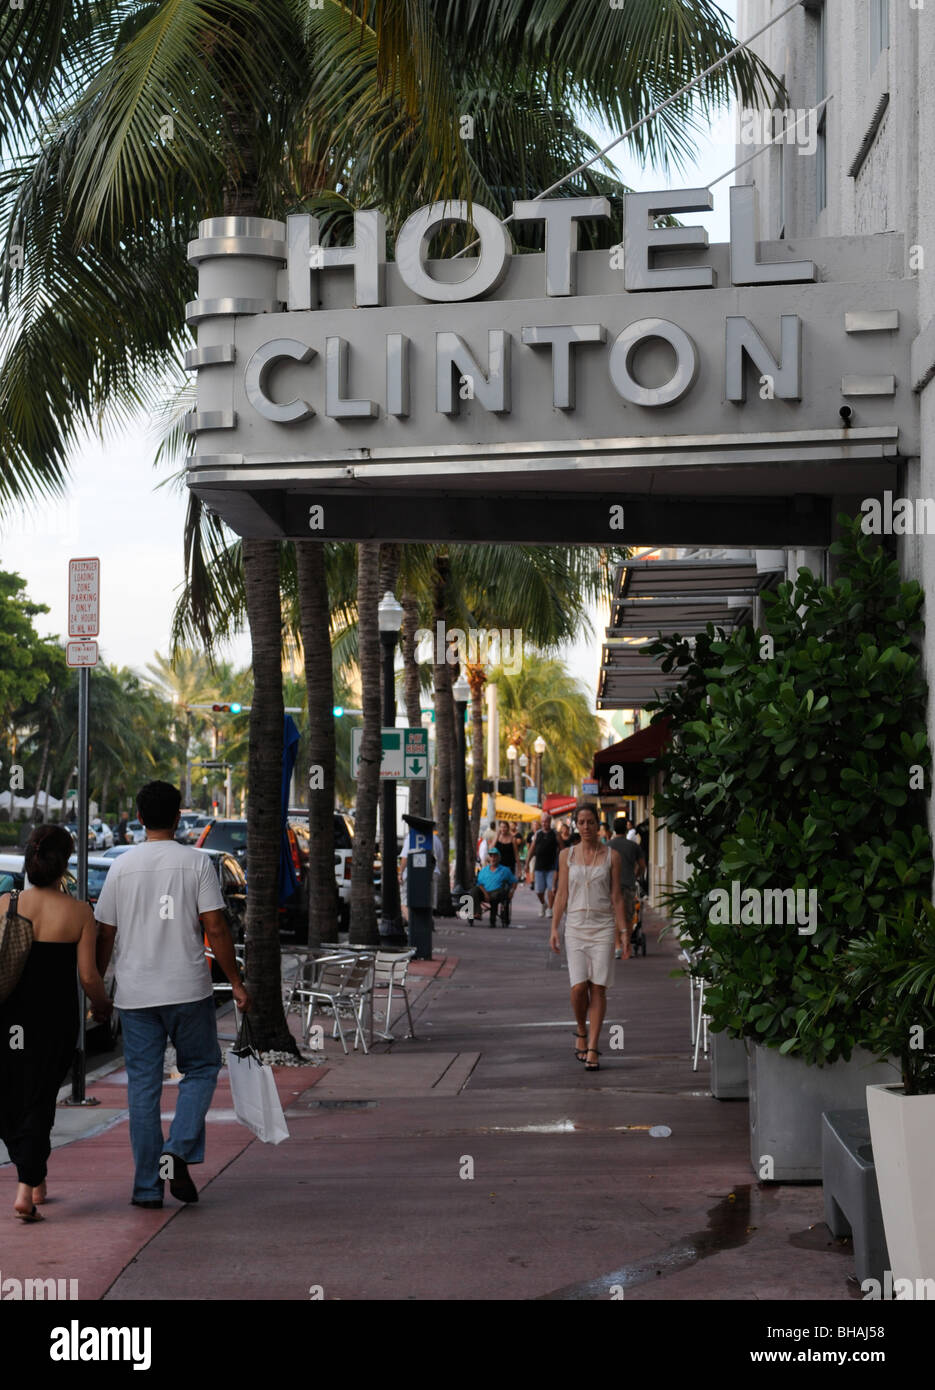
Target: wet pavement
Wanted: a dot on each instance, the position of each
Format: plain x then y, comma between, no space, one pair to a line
476,1160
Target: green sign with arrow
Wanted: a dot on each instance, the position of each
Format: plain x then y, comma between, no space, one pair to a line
405,753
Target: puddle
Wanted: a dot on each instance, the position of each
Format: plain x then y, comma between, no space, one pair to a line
818,1237
728,1227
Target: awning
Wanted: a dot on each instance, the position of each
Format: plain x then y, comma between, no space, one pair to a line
630,755
508,808
659,597
559,805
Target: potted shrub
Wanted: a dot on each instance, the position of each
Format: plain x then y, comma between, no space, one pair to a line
794,777
894,972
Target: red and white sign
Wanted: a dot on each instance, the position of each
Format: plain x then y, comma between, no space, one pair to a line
84,598
81,653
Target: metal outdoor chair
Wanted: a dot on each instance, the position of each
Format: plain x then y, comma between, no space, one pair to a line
345,986
303,972
699,1019
390,973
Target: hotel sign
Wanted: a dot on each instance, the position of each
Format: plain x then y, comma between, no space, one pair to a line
325,371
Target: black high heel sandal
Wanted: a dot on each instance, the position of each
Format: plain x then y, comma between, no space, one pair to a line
581,1052
597,1065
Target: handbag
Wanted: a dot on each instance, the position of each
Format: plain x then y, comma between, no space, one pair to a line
16,937
253,1090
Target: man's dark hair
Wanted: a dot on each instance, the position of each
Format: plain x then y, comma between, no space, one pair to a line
621,825
158,805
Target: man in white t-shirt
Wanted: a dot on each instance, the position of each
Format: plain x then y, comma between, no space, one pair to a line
159,902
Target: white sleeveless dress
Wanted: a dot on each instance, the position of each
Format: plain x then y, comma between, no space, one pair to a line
589,920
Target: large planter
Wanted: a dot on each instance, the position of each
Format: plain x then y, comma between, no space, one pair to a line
902,1131
728,1068
787,1099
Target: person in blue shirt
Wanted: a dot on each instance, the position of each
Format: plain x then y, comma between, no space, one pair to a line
495,885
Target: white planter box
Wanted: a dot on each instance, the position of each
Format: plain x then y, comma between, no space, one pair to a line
728,1068
902,1131
787,1100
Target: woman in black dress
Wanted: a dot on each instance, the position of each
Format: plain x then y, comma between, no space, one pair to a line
39,1020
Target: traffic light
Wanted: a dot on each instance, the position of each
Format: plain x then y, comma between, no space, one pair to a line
338,711
226,709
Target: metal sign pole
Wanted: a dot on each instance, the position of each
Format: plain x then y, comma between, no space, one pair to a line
78,1070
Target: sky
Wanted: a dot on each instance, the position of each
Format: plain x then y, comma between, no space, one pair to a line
123,510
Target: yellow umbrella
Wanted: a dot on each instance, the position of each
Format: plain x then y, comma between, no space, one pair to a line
508,808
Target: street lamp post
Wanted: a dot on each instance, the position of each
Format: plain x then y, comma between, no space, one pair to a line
512,754
539,749
390,617
461,691
523,764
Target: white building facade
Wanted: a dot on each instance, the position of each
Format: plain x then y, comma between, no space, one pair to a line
859,164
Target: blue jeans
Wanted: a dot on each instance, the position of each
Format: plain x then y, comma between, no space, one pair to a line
192,1030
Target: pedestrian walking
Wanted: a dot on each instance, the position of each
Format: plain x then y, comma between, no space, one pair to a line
495,885
519,845
158,904
542,863
632,865
507,847
39,1018
122,831
589,889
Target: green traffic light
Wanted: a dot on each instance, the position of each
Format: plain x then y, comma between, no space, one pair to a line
235,709
338,711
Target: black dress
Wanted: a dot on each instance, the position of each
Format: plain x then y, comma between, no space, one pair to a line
38,1034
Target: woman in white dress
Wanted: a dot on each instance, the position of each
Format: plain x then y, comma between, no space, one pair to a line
596,925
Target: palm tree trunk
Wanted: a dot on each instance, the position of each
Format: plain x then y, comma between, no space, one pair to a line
319,682
444,733
363,929
413,693
477,678
264,812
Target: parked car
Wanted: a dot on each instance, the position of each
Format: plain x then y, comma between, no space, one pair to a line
72,828
12,872
230,836
103,835
98,867
116,851
343,857
136,831
233,883
190,826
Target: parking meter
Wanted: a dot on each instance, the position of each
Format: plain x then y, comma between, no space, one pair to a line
420,868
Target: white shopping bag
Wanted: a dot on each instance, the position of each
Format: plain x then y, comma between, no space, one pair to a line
253,1090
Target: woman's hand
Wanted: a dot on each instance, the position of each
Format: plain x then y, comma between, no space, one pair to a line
101,1009
553,940
623,946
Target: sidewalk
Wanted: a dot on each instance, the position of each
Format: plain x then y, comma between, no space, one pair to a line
478,1160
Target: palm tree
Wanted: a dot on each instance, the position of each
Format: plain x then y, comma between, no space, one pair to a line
319,677
544,698
363,926
185,679
158,110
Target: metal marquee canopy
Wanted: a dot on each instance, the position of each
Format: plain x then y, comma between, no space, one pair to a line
667,597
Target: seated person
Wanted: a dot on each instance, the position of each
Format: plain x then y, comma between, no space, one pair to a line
495,884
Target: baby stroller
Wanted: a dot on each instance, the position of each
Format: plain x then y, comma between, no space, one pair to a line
638,936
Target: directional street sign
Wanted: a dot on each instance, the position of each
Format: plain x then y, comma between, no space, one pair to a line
405,753
416,753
